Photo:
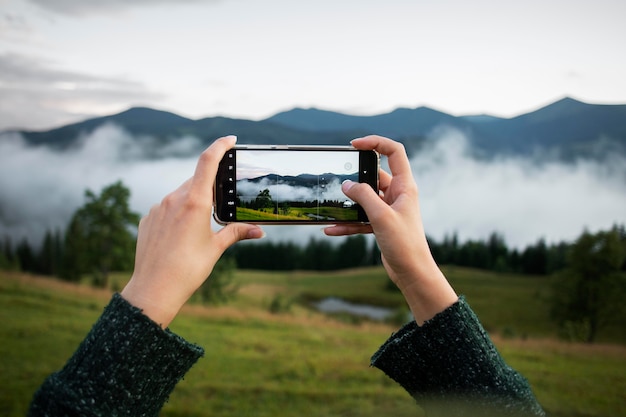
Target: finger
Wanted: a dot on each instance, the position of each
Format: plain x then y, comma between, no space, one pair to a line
384,180
395,152
235,232
206,169
347,229
363,194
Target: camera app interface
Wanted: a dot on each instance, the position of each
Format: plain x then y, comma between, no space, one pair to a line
283,186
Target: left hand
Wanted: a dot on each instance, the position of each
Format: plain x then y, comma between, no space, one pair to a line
176,246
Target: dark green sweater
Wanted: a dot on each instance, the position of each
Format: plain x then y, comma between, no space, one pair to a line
127,366
451,367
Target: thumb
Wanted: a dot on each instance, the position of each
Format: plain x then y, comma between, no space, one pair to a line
235,232
365,196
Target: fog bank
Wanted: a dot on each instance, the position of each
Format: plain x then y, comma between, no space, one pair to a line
522,199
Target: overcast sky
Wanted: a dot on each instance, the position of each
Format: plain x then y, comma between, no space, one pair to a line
64,60
252,164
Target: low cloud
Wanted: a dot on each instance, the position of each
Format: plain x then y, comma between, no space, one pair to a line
40,188
248,190
523,200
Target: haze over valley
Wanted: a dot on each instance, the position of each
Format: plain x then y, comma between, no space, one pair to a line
529,177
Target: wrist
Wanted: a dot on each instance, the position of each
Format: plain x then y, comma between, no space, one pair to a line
426,291
156,308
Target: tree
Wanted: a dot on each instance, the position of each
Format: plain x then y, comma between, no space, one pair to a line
375,254
498,252
352,252
319,255
588,294
219,287
8,258
263,200
534,259
75,261
51,254
26,256
100,237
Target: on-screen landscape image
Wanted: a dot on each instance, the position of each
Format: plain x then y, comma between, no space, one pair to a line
295,185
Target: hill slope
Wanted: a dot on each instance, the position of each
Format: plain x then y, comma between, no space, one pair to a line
259,363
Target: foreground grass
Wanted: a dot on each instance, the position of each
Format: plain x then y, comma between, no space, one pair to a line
298,363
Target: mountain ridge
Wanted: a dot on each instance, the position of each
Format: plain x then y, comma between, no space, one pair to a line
568,127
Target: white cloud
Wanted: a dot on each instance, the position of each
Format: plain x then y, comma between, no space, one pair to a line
41,188
521,198
285,192
524,200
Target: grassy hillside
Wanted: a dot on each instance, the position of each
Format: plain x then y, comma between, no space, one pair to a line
301,362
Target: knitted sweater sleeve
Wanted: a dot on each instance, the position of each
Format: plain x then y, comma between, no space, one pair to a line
126,366
451,367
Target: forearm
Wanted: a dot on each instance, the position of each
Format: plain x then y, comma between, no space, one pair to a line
451,367
127,365
424,287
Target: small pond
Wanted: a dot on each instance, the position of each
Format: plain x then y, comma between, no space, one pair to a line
332,305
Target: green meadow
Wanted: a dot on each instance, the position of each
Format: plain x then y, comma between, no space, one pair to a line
297,361
296,213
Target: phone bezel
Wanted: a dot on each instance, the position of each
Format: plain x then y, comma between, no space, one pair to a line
222,179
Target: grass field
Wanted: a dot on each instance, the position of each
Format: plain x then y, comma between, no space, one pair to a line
301,362
297,213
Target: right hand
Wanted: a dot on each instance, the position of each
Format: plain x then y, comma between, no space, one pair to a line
396,222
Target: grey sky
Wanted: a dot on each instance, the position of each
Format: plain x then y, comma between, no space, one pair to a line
251,59
96,7
252,164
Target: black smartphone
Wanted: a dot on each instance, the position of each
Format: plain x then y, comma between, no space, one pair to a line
282,184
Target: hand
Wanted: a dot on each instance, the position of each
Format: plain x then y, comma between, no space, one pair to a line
396,222
176,246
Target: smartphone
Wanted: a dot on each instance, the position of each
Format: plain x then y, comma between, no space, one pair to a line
282,184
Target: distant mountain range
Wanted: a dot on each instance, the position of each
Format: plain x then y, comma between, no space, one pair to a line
568,129
304,180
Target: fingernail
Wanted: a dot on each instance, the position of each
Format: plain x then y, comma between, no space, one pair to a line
255,234
346,185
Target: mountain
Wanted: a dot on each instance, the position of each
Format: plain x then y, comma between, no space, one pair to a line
164,127
400,123
568,129
568,126
137,120
304,180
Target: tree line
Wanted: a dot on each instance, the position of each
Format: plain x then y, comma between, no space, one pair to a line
316,255
101,238
320,254
587,277
493,254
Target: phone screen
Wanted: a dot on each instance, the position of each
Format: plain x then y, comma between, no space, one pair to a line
296,185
